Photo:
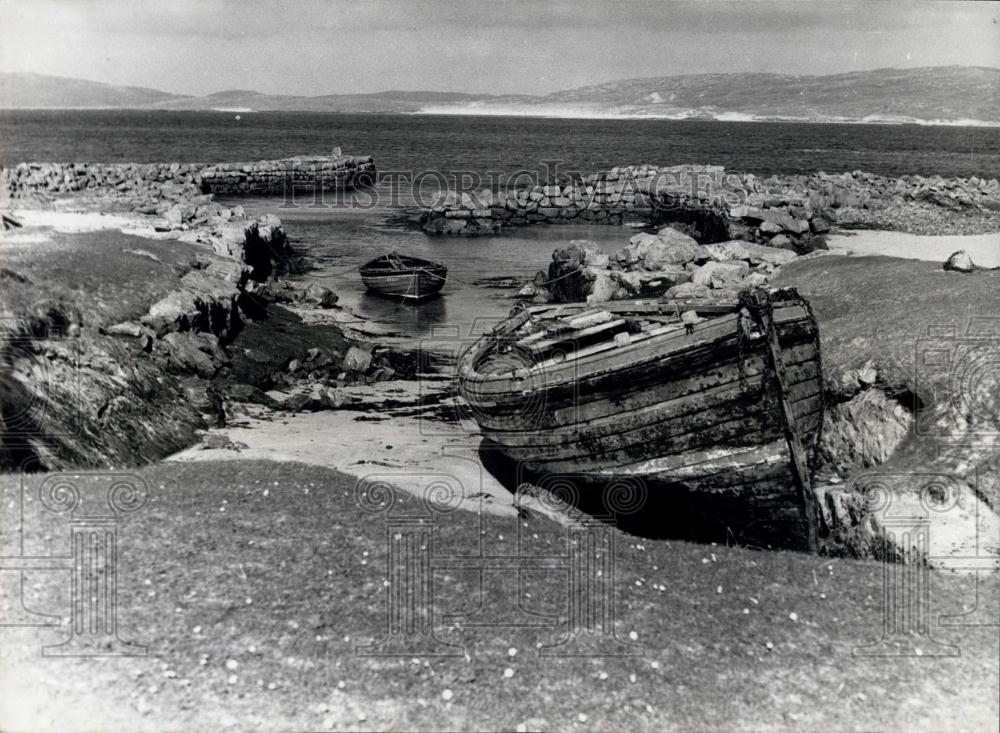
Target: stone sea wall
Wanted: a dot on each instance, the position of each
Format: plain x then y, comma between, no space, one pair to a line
601,198
31,182
785,211
289,175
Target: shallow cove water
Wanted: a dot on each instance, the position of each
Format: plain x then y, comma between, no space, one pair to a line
341,240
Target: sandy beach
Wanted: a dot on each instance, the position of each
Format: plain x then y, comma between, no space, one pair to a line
983,248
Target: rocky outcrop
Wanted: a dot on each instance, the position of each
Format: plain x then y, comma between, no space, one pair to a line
668,263
88,393
713,205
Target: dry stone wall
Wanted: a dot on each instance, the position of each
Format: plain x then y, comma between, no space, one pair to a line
288,176
785,211
32,181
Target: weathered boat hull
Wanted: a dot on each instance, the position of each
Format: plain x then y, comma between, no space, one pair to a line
695,408
418,280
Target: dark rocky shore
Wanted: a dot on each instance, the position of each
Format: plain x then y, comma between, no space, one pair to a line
120,347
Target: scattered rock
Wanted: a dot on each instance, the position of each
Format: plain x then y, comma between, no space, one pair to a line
358,359
127,328
960,262
720,274
319,295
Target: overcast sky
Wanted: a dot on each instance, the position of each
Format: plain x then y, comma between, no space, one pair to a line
309,47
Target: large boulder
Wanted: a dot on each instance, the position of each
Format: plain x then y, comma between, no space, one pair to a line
188,352
667,247
688,290
319,296
720,274
603,287
749,252
960,262
358,359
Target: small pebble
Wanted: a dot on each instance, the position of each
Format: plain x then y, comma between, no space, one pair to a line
512,652
232,679
633,636
508,673
793,616
602,675
232,664
582,718
447,695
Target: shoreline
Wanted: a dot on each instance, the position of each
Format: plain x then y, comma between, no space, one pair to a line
983,248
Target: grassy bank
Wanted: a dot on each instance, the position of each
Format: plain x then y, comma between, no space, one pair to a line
894,312
276,568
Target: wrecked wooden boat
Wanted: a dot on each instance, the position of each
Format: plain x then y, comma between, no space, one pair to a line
704,395
400,276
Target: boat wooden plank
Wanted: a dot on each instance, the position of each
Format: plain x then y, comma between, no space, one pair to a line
535,417
567,408
785,398
707,306
723,400
601,347
675,343
580,407
705,363
611,326
693,453
672,374
629,446
713,428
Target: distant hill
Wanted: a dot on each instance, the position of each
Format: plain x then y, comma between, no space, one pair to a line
933,93
946,94
25,90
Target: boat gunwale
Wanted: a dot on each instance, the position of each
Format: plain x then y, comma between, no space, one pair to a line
413,265
642,349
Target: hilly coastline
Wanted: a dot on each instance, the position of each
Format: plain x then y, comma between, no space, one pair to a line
932,95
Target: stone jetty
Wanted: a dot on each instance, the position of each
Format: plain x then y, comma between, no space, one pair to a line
270,177
138,181
786,211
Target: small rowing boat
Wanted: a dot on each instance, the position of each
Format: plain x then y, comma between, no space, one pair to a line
401,276
724,397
